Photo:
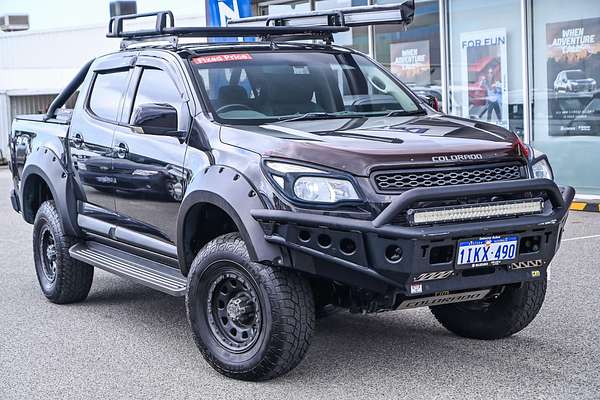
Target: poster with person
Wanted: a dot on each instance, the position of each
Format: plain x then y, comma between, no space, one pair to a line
573,73
410,62
484,70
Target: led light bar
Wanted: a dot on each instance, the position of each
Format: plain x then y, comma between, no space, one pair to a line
373,17
475,211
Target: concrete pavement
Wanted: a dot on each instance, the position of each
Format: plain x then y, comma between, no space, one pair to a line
127,341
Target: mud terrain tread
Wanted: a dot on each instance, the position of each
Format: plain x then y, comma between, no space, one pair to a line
292,306
509,314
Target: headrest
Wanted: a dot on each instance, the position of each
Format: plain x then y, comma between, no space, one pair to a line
232,94
290,88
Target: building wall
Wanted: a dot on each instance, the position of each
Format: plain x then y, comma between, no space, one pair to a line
38,64
4,125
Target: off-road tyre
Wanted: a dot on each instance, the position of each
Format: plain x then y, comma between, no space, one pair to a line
498,318
62,278
283,304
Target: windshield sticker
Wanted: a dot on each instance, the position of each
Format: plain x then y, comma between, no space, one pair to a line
221,58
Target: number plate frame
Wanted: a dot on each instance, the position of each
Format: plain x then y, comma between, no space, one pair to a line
494,239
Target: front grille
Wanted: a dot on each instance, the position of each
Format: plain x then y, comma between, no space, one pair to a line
400,180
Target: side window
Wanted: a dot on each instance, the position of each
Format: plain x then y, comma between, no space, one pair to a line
157,87
106,94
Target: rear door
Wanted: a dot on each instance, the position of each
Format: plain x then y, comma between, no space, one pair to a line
92,130
149,172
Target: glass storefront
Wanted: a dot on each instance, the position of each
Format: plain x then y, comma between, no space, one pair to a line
486,65
485,77
413,55
566,96
357,38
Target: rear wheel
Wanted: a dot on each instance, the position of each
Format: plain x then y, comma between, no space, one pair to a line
62,278
250,321
508,313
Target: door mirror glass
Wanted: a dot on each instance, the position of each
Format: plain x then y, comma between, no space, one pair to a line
156,119
431,101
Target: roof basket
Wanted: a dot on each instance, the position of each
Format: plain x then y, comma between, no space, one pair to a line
400,13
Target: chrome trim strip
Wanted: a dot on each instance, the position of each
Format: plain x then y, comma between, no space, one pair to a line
94,225
128,236
144,241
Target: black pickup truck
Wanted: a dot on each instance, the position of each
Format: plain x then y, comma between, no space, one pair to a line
267,180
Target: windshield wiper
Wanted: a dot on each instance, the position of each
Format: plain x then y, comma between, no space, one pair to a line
322,115
402,113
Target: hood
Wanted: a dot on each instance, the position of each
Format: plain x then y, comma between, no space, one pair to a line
582,80
359,145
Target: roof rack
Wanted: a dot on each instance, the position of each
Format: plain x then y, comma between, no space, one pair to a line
400,13
165,30
319,25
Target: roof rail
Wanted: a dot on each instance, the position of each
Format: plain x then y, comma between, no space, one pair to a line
400,13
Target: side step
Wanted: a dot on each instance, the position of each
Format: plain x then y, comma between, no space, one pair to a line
149,273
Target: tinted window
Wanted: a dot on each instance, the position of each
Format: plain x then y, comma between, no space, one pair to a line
156,86
106,94
258,87
575,75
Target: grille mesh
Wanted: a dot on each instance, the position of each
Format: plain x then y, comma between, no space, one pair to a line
392,181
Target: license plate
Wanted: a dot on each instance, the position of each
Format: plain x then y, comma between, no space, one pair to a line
486,251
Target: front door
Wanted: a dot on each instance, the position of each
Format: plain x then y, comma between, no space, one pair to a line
148,165
91,137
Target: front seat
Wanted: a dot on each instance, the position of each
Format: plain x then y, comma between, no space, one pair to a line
232,94
290,94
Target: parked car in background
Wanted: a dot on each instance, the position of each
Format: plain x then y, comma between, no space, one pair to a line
574,80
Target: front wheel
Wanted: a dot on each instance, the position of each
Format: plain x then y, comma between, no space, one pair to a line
495,318
250,321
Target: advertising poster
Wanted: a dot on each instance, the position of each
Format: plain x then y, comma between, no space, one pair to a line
573,68
484,70
410,62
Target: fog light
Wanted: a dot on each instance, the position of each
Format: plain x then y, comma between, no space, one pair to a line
475,211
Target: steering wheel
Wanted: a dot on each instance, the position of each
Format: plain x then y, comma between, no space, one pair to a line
232,107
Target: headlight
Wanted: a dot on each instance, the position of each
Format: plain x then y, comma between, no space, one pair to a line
324,190
541,169
144,172
311,184
286,168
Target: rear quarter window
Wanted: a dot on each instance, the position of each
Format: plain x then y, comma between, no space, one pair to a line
105,98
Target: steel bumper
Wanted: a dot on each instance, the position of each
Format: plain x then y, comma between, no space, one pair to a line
357,252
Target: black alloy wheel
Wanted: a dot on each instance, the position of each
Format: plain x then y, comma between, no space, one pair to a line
233,308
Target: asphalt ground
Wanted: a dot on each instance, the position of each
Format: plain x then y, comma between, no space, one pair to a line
127,341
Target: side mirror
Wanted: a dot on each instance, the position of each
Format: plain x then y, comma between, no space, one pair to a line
431,101
156,119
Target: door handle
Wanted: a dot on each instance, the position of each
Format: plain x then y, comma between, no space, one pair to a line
78,140
121,150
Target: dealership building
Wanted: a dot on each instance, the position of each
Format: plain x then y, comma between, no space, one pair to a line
531,66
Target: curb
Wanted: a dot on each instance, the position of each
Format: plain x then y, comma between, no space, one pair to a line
585,206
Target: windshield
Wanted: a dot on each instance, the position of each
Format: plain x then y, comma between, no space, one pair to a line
575,74
258,87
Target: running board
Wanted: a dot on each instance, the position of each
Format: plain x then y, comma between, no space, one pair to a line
141,270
